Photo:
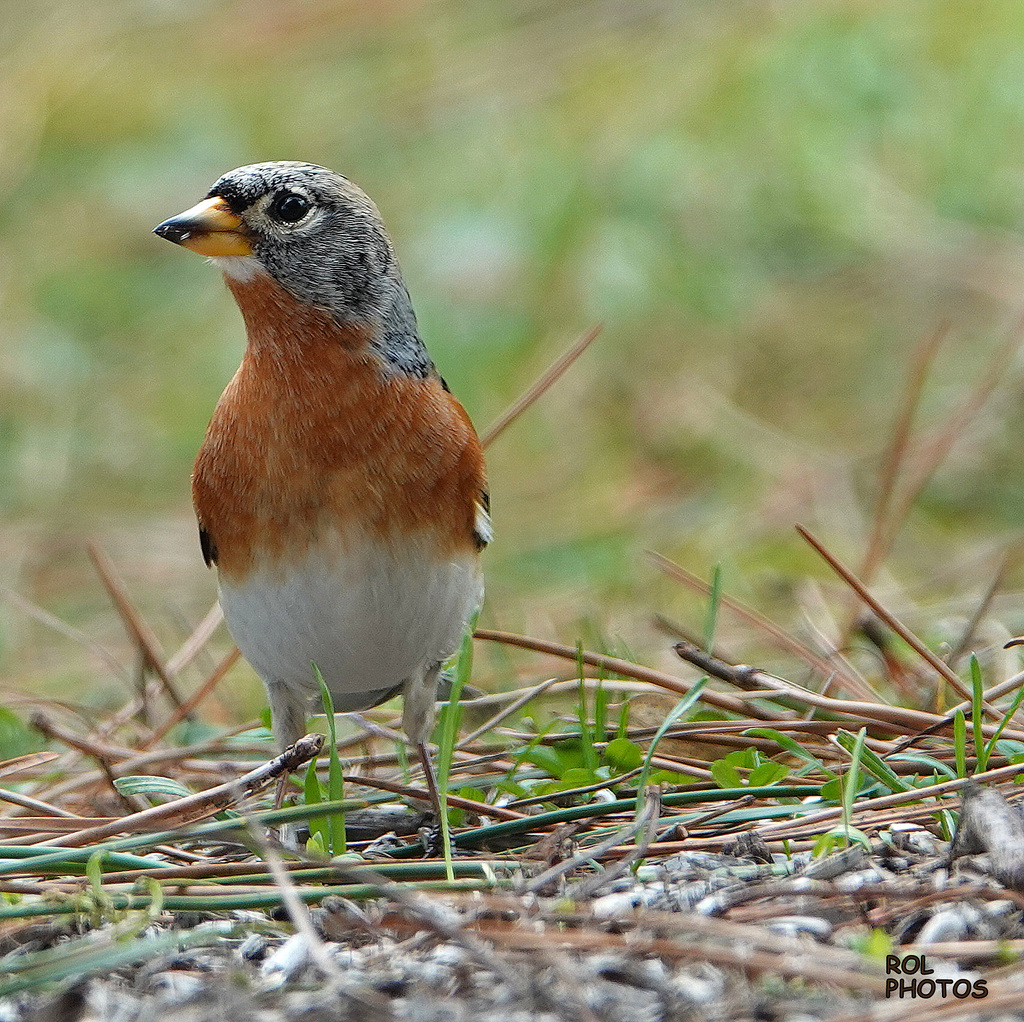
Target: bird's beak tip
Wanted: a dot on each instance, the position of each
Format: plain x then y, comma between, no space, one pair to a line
209,228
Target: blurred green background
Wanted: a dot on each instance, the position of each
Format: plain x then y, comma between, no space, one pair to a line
767,206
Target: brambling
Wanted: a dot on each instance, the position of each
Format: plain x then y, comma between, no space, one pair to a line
341,489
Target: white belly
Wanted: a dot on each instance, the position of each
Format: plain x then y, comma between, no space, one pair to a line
370,617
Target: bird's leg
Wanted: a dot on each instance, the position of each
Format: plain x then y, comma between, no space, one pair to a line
432,837
428,770
282,784
418,715
288,715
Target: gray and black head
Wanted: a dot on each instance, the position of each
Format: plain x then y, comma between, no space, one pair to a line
319,236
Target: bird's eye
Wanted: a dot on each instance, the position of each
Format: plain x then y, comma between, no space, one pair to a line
289,207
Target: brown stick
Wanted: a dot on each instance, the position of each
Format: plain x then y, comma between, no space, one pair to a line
196,807
197,641
827,668
456,801
630,670
896,450
63,628
186,708
939,666
143,636
546,380
892,718
935,453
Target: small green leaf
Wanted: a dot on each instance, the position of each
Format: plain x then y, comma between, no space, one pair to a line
876,945
832,791
94,871
767,773
16,737
1008,747
578,777
532,753
947,824
545,757
743,758
669,777
725,774
623,754
193,732
838,838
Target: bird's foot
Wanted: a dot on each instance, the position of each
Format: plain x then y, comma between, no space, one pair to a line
431,838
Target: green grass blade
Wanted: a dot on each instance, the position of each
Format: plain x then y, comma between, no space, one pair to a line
938,769
852,780
714,605
872,762
977,701
451,717
1007,717
601,701
691,697
792,746
590,760
686,703
313,793
337,842
960,742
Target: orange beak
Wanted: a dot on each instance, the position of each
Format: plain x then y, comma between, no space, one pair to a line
209,228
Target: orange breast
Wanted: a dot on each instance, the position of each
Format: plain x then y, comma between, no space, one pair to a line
313,439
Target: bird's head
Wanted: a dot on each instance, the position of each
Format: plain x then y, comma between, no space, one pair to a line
315,232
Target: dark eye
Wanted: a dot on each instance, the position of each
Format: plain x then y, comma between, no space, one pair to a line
289,208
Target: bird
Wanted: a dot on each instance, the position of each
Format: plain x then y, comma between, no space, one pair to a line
340,490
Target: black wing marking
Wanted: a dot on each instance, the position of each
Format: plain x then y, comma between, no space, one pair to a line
482,531
207,545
